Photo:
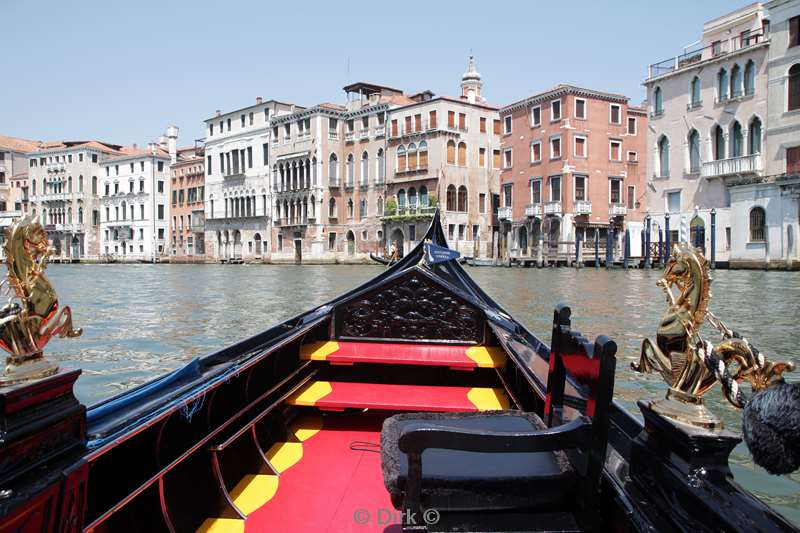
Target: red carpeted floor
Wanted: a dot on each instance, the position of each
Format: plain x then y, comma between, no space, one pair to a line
333,488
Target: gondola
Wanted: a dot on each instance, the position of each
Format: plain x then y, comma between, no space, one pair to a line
413,402
382,260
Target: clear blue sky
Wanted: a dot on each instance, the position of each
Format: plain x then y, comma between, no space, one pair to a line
86,69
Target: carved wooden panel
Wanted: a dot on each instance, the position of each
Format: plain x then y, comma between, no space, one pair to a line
410,308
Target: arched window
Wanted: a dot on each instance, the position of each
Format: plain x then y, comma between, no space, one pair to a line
351,170
80,183
332,208
663,157
758,225
412,198
451,152
737,139
754,137
380,206
423,196
794,87
658,102
402,158
694,151
401,199
722,85
362,208
462,154
451,198
33,186
736,81
423,155
749,78
380,166
333,169
80,215
694,91
462,199
412,156
718,138
350,208
69,184
69,215
365,168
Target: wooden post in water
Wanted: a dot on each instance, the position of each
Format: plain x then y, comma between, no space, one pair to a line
596,248
540,253
660,248
626,249
647,241
578,251
610,245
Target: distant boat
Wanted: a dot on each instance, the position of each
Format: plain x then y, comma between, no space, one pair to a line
480,262
382,260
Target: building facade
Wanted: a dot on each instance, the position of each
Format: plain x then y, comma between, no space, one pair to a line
237,206
187,211
64,194
572,165
445,152
134,208
708,108
765,207
14,196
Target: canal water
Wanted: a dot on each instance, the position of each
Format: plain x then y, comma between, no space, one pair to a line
140,321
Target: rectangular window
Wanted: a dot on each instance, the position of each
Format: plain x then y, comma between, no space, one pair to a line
631,125
80,157
451,231
580,146
141,212
616,114
482,157
482,203
461,228
555,188
615,150
580,108
160,186
555,147
536,151
94,158
495,159
432,120
475,233
265,153
794,31
160,211
615,191
161,166
555,110
632,157
536,191
580,188
507,124
331,241
251,118
249,157
536,116
507,158
394,128
451,119
507,190
716,48
462,121
418,122
496,126
408,124
242,119
793,160
631,197
674,202
483,124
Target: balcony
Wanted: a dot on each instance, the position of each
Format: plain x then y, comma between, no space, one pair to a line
333,135
2,168
504,213
380,131
197,228
290,222
617,210
275,141
363,134
333,183
734,166
410,212
552,208
533,210
691,106
583,207
349,136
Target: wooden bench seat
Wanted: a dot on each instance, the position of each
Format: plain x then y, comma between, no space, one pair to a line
454,356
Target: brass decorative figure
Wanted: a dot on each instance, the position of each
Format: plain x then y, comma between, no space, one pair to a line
32,316
687,362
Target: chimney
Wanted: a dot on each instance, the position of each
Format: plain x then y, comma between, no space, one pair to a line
135,147
151,147
172,143
258,100
219,112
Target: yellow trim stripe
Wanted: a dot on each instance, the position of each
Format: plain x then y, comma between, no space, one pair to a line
487,356
310,394
318,351
284,455
222,525
253,491
488,399
306,427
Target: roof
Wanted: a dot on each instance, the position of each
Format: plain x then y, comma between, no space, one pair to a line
54,146
562,89
368,88
129,152
17,144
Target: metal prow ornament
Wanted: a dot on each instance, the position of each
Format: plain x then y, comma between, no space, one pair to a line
691,365
32,316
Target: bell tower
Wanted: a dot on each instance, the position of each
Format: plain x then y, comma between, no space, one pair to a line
471,83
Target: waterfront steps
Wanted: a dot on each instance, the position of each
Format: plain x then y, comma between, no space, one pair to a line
453,356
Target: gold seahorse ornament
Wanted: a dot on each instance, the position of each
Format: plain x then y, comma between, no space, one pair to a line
689,364
32,316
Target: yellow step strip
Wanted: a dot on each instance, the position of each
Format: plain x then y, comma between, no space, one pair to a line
222,525
487,356
318,351
488,399
253,491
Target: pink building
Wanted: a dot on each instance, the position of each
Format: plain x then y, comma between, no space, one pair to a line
573,162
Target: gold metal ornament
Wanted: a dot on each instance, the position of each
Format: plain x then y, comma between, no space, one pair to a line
689,364
32,316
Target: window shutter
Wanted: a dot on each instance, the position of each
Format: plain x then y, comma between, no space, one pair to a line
483,124
794,31
793,160
451,119
496,159
432,119
451,153
497,127
417,122
462,121
408,124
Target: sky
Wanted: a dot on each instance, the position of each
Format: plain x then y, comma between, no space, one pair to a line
123,71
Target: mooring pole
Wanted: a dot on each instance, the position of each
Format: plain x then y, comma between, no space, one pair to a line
626,249
667,250
647,241
642,246
713,238
660,248
596,248
610,245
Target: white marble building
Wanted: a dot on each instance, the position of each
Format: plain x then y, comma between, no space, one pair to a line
237,203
